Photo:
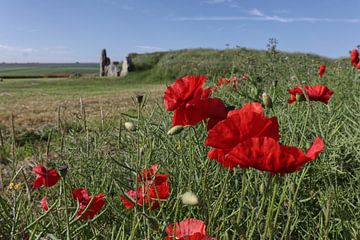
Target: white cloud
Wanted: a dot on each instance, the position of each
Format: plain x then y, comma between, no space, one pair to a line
256,12
150,48
229,3
16,49
257,15
218,1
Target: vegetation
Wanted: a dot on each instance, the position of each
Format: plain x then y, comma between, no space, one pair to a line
321,201
12,70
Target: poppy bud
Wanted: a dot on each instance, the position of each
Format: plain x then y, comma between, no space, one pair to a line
262,188
63,169
189,198
175,130
130,126
139,98
299,97
267,100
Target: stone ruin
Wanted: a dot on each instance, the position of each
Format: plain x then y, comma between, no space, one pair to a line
112,69
127,66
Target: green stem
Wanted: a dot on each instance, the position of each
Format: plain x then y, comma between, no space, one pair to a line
270,209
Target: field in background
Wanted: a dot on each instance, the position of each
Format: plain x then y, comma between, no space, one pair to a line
44,69
35,102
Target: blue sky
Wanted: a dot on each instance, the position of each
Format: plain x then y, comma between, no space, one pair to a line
77,30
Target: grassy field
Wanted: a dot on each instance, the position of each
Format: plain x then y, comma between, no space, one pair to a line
40,69
35,102
320,201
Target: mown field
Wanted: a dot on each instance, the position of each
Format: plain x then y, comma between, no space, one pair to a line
43,69
105,155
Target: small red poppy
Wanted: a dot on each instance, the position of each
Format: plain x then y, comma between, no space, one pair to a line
322,69
267,154
44,177
315,93
154,187
354,57
188,229
191,103
82,196
44,204
239,126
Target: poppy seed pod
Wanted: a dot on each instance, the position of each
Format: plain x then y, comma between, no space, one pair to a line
175,130
130,126
267,100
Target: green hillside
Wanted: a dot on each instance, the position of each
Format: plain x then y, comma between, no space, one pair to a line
166,66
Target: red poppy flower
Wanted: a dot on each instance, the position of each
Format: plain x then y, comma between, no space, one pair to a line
239,126
191,103
354,57
44,177
153,187
188,229
82,196
44,204
315,93
358,65
322,69
267,154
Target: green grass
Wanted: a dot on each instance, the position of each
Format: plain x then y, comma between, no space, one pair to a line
65,87
321,201
47,68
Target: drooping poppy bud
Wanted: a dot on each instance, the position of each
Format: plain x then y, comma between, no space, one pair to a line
175,130
130,126
267,100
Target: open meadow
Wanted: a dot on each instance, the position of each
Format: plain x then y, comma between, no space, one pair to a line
100,158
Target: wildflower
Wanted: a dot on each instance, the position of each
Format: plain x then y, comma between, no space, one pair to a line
240,125
11,186
44,204
45,177
187,229
354,57
191,103
154,187
322,69
82,196
18,186
315,93
267,154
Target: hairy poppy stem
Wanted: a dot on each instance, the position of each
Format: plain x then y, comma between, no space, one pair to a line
270,210
261,205
66,209
292,204
243,193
